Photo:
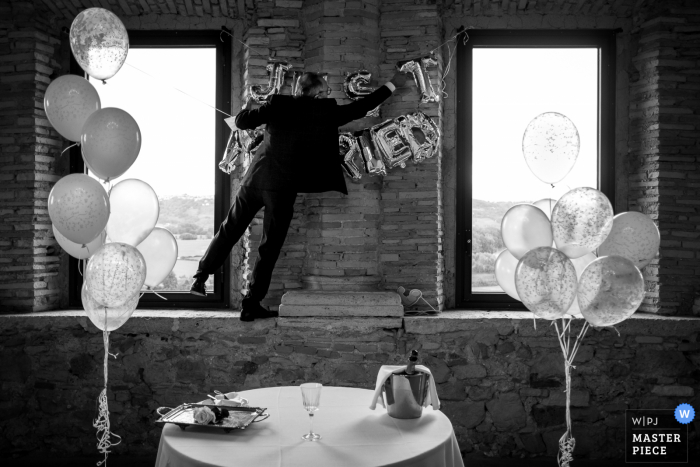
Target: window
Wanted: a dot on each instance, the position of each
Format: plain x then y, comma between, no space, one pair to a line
505,79
169,84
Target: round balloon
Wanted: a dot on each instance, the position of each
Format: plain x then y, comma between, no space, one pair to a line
99,42
505,273
546,282
69,101
633,236
76,250
525,227
546,205
115,273
104,317
159,250
581,221
110,141
580,265
550,146
79,208
610,290
135,211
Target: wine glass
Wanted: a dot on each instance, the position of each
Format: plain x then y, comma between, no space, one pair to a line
311,395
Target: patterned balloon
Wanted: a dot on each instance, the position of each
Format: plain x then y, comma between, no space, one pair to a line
581,221
610,290
108,318
633,236
79,208
525,227
550,146
99,42
115,273
69,101
545,281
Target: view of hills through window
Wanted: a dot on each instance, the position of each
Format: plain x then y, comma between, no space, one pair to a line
512,86
177,143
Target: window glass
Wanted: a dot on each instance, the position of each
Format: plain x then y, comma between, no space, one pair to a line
512,86
178,138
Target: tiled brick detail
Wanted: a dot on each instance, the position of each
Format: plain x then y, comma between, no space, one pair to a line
29,155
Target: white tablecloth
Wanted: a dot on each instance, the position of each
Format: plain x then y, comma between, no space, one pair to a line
353,436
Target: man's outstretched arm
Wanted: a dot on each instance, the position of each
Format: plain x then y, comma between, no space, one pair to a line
358,109
249,118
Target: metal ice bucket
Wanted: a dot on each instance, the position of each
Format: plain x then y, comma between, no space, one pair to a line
404,394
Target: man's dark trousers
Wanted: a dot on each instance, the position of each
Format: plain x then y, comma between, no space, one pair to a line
279,209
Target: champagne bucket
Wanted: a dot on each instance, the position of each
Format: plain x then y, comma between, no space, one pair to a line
404,394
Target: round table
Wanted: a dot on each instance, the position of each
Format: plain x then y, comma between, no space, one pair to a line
352,436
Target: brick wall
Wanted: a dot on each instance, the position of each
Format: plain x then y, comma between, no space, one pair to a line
665,135
30,163
500,380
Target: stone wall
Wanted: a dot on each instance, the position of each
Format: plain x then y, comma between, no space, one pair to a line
500,379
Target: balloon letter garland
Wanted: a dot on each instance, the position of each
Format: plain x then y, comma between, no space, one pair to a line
419,68
381,147
355,89
276,71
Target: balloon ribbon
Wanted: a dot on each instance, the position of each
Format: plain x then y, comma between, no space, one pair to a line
567,441
104,440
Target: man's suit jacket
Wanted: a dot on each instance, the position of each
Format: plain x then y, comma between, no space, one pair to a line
300,150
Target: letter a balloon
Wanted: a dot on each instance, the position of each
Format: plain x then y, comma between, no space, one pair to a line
69,101
99,42
110,141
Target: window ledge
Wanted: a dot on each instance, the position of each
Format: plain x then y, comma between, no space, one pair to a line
448,315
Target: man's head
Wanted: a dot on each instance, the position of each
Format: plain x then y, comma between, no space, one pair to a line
312,85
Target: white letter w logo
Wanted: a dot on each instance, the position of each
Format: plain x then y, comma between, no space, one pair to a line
684,413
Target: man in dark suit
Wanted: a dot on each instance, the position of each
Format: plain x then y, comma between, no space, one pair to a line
299,154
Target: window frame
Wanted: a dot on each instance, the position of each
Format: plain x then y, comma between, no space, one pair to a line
604,41
222,185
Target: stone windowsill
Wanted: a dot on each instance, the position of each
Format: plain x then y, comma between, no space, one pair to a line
219,314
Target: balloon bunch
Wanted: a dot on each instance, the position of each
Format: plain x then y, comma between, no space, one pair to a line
549,263
116,230
389,144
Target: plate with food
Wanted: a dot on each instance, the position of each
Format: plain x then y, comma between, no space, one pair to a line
210,415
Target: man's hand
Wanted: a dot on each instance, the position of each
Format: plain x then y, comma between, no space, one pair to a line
248,104
399,79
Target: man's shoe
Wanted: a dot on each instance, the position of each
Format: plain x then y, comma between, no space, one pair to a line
253,311
198,288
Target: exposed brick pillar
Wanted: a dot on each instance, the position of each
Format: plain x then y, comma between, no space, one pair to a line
665,134
342,231
411,207
276,32
29,152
